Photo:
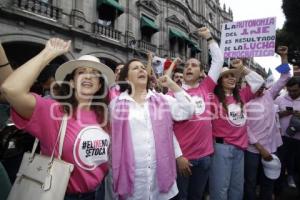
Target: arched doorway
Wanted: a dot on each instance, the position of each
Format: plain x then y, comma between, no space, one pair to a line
109,62
19,52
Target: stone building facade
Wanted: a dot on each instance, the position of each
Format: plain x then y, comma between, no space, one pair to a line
113,30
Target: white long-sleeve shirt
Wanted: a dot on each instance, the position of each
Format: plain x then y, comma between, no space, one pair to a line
145,182
216,62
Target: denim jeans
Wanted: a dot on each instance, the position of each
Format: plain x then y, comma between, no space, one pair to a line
192,187
98,194
252,162
109,192
226,180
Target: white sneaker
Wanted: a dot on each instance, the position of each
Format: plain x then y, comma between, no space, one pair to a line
291,182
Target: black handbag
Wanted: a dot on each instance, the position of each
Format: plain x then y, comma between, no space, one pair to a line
14,142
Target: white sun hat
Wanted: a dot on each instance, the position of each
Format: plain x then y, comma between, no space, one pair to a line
85,61
226,70
272,168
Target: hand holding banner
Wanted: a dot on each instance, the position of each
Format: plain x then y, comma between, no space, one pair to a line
283,68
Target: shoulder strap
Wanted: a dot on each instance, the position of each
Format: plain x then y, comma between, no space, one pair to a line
35,144
63,128
60,138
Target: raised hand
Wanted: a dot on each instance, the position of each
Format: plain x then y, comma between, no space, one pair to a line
237,63
282,50
57,46
177,60
149,64
166,81
204,32
150,55
169,71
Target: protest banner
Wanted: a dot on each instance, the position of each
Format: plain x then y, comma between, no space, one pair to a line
250,38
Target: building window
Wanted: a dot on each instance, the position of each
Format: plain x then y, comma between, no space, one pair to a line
148,28
194,48
181,39
108,11
47,1
181,47
193,54
146,37
172,45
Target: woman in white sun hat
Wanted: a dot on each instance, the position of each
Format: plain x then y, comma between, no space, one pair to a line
82,97
229,131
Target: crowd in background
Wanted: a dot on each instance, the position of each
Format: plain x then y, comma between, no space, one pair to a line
184,134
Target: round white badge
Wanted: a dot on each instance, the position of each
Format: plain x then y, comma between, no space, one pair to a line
235,115
199,103
91,146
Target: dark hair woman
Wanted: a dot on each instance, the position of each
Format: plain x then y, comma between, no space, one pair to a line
143,158
81,98
229,131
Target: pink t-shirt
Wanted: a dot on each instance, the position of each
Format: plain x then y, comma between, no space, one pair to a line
85,144
231,125
195,135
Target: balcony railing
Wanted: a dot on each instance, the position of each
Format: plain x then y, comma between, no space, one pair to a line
107,32
39,7
146,46
172,54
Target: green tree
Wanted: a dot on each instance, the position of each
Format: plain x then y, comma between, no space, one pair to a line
292,14
289,34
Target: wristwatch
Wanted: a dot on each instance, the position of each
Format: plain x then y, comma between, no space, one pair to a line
209,39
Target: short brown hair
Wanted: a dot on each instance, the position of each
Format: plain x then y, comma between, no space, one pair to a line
124,75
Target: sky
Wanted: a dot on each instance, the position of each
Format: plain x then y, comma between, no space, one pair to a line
255,9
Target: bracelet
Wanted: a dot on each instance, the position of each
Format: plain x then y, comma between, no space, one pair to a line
4,65
209,39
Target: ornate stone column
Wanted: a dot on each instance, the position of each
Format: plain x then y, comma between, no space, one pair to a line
77,15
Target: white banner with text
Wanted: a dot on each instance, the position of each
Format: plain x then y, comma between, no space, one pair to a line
250,38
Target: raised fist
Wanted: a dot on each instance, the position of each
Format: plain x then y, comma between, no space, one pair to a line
237,63
57,46
282,50
204,32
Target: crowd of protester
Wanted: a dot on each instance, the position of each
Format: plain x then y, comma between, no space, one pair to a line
182,135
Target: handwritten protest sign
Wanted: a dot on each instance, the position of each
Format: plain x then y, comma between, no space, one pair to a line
250,38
